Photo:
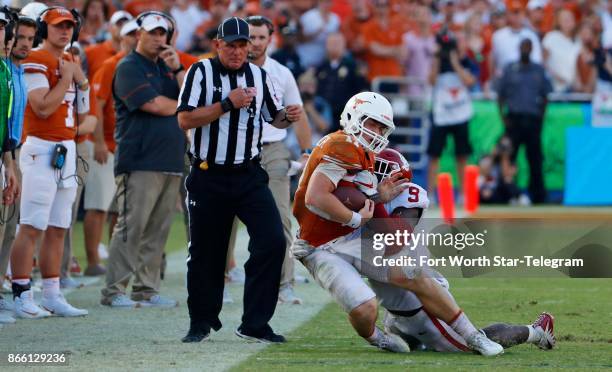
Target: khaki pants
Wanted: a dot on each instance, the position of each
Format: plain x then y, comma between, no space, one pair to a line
146,202
276,160
84,149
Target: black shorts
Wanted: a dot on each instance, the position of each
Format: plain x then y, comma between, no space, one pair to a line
437,139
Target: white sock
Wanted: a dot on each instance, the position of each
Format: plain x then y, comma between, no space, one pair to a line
23,282
376,336
533,335
462,325
51,287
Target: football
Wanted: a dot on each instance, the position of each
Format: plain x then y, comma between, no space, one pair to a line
351,197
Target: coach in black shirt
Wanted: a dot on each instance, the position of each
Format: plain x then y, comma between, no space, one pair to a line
223,102
148,165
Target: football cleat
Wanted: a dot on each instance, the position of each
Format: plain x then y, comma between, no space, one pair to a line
286,295
544,325
227,297
58,306
6,305
26,308
393,343
236,275
6,319
481,344
120,301
69,283
159,301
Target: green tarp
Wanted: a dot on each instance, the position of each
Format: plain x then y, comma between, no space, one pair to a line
486,128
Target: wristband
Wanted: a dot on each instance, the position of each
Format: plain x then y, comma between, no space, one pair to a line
82,101
227,105
355,221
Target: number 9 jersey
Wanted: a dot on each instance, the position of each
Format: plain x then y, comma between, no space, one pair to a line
42,71
414,196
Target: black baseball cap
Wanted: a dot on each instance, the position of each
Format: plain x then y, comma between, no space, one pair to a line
232,29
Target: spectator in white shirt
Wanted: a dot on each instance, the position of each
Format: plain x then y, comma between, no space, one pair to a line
316,24
506,41
188,17
561,52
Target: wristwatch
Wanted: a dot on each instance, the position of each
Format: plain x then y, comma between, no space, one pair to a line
83,85
227,105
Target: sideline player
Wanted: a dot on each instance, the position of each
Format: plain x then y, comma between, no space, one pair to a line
48,191
328,241
404,313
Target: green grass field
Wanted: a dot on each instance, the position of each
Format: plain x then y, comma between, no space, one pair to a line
320,337
582,309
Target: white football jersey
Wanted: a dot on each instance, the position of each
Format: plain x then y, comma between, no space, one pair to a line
412,197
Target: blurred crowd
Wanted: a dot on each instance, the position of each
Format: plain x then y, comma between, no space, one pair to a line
393,37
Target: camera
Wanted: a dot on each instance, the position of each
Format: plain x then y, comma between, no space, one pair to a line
447,42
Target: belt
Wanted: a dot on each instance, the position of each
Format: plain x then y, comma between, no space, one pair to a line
406,313
204,165
269,143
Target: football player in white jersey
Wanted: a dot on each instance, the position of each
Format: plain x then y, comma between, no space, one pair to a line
404,313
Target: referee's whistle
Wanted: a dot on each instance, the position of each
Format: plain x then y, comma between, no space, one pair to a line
204,165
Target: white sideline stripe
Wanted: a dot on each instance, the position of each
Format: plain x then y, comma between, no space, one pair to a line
222,351
286,318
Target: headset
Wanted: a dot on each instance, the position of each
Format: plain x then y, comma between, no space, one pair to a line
42,28
172,23
9,29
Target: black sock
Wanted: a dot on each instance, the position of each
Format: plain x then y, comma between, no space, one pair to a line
18,289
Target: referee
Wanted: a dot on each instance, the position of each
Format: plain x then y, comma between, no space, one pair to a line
223,102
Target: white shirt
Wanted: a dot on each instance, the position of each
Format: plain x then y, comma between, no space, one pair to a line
312,53
561,61
506,42
186,23
286,92
451,102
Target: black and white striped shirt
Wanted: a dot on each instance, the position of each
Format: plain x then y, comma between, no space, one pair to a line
236,135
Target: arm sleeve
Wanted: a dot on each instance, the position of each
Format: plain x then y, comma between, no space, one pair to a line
192,92
132,87
292,93
36,81
271,106
332,171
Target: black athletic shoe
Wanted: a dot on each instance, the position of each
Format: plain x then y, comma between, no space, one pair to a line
197,333
267,336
